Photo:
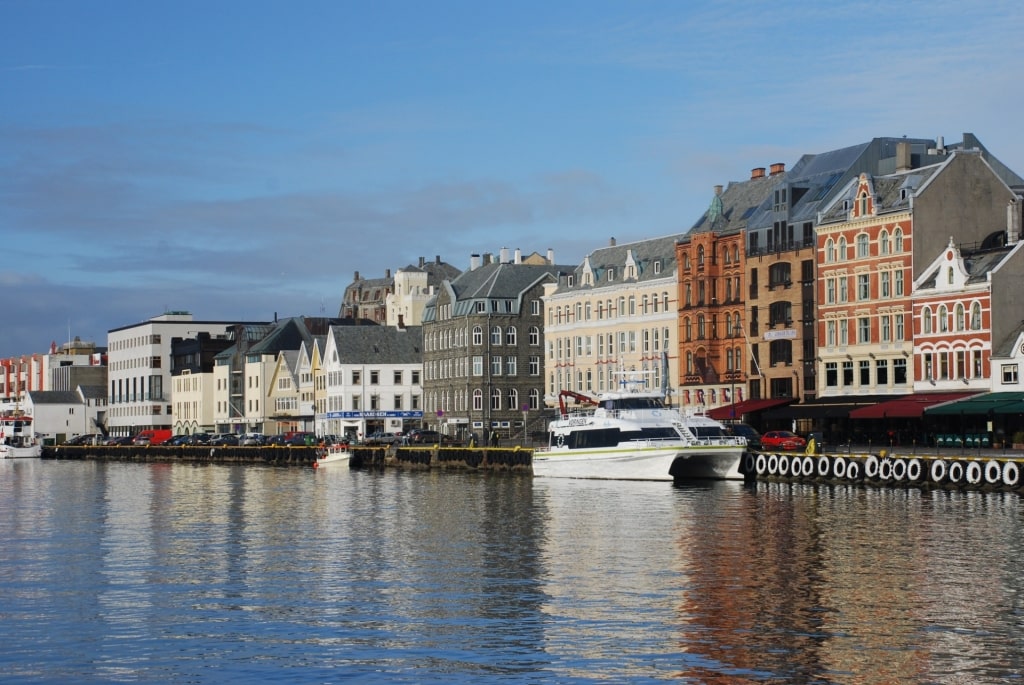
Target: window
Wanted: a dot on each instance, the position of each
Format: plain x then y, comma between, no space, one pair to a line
882,372
926,320
897,240
534,399
886,328
976,316
830,251
863,286
899,371
847,373
779,274
885,283
844,332
496,399
899,327
611,273
898,283
357,377
864,366
496,365
830,291
374,377
496,335
535,365
844,289
943,319
510,335
513,399
510,365
478,365
535,307
863,329
841,256
478,335
959,316
1009,374
780,313
862,245
781,352
831,374
830,333
883,242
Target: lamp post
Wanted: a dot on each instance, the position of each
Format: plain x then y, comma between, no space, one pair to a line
737,331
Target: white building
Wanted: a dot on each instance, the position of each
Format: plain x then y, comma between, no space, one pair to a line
139,369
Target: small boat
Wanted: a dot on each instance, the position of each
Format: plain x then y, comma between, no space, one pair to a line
335,454
634,436
17,440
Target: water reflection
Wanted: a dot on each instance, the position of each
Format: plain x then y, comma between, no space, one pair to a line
217,574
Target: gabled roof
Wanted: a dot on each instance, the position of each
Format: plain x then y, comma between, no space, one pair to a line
55,397
494,281
892,192
1004,349
644,253
382,345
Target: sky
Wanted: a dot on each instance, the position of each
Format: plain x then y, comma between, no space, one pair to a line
241,159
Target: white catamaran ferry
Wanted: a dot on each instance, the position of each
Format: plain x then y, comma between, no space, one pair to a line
632,435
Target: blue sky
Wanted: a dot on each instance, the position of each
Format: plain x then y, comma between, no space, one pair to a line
241,159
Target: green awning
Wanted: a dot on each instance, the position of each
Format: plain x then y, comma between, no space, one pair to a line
984,404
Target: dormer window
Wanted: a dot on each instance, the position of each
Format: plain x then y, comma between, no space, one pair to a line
611,274
657,266
569,281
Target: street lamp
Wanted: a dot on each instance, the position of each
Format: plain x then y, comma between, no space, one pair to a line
737,331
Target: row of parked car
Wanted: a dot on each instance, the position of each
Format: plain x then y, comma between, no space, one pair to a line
769,440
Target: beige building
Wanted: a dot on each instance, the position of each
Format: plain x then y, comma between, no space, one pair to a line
615,313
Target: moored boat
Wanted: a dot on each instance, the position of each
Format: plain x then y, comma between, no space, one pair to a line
17,439
335,454
634,436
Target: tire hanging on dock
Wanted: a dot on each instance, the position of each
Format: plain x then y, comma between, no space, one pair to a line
914,470
761,464
824,466
807,466
749,465
852,470
938,471
899,469
839,467
885,469
1011,474
773,464
871,467
783,464
974,473
956,472
993,472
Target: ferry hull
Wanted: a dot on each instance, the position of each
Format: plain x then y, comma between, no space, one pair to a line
10,452
632,463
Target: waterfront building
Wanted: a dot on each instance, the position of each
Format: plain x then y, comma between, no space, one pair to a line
875,242
717,353
614,313
193,392
413,287
371,381
139,369
483,347
61,414
63,368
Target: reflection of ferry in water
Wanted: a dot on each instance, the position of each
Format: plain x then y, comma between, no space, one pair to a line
17,440
634,436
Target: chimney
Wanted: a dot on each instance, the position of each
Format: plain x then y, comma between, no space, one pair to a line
903,162
504,255
387,273
1013,220
518,259
474,262
757,172
778,168
357,277
611,242
718,188
437,259
551,256
422,262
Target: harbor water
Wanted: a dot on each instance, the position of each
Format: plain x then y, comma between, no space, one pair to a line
149,573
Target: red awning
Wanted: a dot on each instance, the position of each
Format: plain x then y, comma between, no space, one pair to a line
736,411
908,407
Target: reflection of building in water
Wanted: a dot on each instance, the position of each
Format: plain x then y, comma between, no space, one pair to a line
792,588
610,576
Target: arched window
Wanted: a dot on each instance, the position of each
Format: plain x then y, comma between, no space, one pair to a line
478,400
496,335
897,240
943,319
949,276
976,316
830,251
534,335
478,335
841,256
510,335
959,316
862,245
700,327
883,242
736,254
496,398
926,320
700,255
687,329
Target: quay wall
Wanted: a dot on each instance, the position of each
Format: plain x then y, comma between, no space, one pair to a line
463,458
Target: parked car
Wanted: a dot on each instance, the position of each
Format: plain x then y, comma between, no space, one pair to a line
118,440
87,439
224,440
276,440
253,440
178,440
428,437
199,439
745,430
782,440
382,438
300,438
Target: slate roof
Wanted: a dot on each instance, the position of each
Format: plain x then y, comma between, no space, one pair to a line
887,192
495,281
644,252
378,344
977,264
730,211
55,397
1005,348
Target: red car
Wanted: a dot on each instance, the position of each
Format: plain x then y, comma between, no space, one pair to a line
782,440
